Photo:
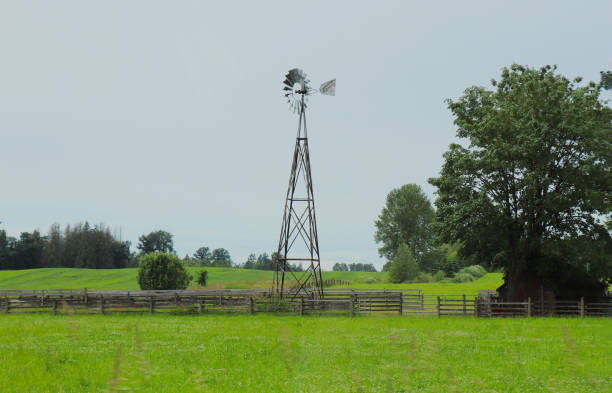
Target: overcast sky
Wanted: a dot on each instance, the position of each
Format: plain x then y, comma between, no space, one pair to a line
149,115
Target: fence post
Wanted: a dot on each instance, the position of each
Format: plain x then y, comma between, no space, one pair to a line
401,303
553,307
464,306
477,307
85,297
582,307
529,307
489,306
55,307
301,305
352,305
438,308
386,296
251,305
151,305
101,304
8,306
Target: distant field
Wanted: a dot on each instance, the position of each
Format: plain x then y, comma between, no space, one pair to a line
125,279
272,353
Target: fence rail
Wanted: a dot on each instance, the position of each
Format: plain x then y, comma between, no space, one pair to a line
346,300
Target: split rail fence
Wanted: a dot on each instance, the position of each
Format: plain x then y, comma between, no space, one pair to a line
350,301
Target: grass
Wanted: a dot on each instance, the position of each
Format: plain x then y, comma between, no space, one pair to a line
271,353
125,279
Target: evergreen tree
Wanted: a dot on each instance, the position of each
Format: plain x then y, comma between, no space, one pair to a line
404,266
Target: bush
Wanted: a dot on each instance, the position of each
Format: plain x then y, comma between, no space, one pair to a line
424,277
202,277
469,273
439,276
463,277
159,270
404,266
475,271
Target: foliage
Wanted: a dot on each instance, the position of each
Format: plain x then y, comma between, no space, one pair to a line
202,255
157,241
361,267
220,257
340,267
202,278
469,273
250,262
297,268
446,258
353,267
404,267
261,262
606,79
475,271
406,218
78,246
439,276
534,178
424,277
159,270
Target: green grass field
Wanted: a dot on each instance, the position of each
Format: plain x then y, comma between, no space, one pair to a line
272,353
125,279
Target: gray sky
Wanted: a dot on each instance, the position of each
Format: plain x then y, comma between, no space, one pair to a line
169,115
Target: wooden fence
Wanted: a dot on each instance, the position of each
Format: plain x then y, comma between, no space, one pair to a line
350,301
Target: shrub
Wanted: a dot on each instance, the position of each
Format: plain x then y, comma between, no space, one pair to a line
475,271
424,277
202,277
439,276
463,277
404,266
159,270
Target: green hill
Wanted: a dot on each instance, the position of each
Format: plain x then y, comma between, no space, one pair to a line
125,279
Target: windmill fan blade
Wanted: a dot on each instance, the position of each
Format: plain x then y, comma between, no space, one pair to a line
294,77
328,88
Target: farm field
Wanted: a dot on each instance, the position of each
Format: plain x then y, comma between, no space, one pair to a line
271,353
226,278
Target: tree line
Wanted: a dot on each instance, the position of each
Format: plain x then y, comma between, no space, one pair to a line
353,267
81,245
95,247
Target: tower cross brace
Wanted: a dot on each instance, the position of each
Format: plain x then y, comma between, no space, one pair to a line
299,225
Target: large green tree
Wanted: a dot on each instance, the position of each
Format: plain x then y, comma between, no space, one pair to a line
406,218
157,241
531,186
203,256
221,257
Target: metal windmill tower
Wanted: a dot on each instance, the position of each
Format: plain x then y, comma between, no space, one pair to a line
299,218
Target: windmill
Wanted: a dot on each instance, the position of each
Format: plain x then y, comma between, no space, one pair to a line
299,218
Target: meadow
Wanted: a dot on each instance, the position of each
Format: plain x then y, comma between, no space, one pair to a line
224,278
271,353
